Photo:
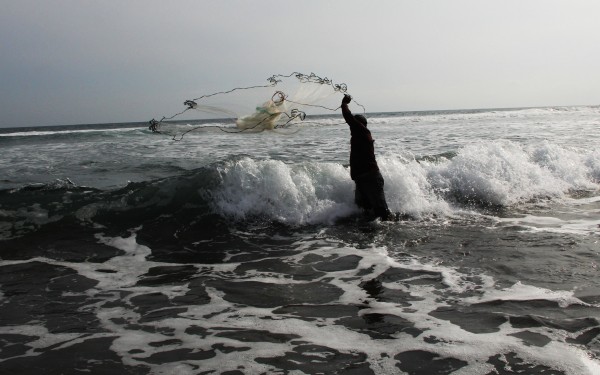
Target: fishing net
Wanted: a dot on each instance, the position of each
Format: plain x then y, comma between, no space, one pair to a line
281,103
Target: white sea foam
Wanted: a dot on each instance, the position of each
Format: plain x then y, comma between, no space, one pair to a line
577,170
294,194
134,345
532,223
499,173
522,292
490,173
408,188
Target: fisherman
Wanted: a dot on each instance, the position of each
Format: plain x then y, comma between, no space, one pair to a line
364,171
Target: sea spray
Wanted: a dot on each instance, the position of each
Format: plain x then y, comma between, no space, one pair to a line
487,173
494,173
408,189
307,193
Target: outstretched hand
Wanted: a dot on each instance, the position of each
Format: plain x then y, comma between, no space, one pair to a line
347,99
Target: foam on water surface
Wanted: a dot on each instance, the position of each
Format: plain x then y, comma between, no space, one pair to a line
328,306
486,173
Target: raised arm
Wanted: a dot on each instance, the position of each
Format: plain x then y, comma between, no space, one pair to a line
350,120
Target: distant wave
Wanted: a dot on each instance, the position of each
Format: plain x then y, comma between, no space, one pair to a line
328,119
443,116
37,133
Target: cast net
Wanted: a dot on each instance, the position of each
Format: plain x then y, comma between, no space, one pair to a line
278,105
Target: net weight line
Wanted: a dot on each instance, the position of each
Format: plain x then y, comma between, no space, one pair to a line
278,97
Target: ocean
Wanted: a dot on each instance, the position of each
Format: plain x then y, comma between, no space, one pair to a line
127,252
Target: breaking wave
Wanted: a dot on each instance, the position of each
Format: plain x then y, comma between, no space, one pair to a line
485,174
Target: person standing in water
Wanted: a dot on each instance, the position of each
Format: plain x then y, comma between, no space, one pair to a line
369,194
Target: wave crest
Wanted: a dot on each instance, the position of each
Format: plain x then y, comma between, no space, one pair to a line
296,194
483,174
504,173
495,173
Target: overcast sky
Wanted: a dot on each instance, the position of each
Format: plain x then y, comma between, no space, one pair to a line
73,62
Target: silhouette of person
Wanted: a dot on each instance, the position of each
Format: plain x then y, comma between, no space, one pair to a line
369,194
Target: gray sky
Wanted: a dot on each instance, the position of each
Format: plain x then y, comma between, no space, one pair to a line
72,62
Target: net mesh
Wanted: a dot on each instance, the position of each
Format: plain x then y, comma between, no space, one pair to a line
284,101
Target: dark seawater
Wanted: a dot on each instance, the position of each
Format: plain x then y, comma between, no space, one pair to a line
122,251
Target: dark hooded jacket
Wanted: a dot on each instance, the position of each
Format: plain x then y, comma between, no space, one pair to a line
362,151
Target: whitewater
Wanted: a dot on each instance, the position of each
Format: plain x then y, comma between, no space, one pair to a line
125,251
